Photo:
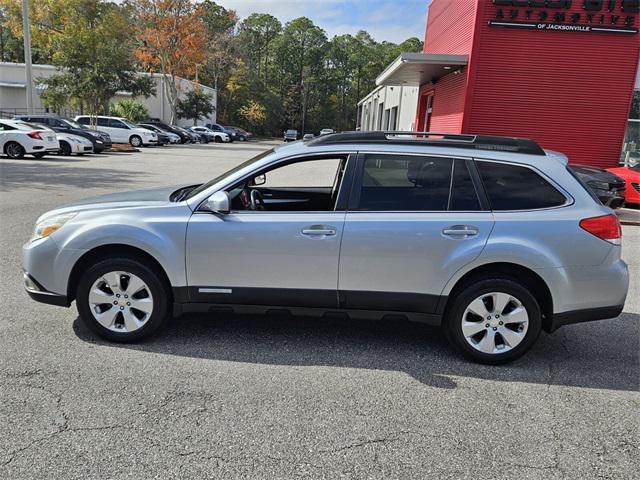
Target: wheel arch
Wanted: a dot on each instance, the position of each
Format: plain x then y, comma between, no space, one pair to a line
521,274
101,252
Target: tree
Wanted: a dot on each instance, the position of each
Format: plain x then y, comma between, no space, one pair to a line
133,111
196,105
254,114
257,33
171,37
92,49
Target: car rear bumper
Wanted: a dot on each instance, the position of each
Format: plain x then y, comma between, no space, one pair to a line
581,316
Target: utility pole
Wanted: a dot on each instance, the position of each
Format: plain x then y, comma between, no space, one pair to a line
26,33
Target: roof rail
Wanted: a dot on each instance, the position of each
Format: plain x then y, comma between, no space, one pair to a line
433,139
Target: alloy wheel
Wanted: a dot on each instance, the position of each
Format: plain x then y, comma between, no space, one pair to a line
121,302
14,150
495,323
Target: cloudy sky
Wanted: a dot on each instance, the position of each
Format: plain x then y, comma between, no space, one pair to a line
392,20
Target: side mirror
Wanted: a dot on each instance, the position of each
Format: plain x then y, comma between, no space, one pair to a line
260,180
219,202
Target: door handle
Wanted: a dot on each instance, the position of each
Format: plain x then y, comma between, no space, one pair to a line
319,230
461,231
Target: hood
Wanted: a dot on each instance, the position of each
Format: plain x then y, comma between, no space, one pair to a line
130,199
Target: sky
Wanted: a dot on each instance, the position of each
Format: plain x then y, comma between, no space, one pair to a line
391,20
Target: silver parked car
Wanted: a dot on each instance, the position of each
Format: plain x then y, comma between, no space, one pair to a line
492,238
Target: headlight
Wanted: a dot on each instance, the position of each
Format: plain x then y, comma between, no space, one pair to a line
598,185
95,134
98,141
46,227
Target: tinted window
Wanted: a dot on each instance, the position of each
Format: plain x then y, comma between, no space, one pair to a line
463,194
510,187
83,120
116,124
409,183
102,122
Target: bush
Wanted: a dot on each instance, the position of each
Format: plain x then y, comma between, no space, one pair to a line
130,109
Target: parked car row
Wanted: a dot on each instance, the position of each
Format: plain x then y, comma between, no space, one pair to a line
38,135
292,135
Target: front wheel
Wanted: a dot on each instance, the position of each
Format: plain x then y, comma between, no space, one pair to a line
493,321
123,300
65,149
135,141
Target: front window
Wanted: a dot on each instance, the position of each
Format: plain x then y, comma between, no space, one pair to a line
228,173
128,123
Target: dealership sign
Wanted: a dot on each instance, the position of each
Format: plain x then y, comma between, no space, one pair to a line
598,16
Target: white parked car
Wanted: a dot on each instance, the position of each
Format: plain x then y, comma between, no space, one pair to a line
18,139
212,135
327,131
70,144
121,130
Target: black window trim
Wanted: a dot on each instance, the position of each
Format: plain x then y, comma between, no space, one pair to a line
569,200
356,189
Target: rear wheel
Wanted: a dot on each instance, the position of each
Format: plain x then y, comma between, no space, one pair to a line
123,300
493,320
14,150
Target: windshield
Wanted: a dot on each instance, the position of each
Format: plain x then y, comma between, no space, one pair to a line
128,123
219,178
636,167
74,124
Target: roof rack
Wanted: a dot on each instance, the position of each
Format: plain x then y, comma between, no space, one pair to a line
433,139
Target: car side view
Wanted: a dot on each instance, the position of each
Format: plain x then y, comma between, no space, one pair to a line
492,238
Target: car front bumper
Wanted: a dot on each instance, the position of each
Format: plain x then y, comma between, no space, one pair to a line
38,293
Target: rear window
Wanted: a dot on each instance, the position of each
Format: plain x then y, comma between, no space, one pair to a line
511,187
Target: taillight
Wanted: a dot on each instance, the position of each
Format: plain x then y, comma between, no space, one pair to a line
606,227
36,135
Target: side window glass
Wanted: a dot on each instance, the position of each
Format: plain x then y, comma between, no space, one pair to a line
117,124
103,122
405,183
463,193
511,187
83,120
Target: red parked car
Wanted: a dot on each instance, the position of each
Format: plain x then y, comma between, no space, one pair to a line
631,176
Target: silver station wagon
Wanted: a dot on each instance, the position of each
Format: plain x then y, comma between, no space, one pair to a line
492,238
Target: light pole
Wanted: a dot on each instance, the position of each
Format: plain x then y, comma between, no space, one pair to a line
26,33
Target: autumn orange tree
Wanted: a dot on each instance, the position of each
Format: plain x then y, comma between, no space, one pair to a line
171,38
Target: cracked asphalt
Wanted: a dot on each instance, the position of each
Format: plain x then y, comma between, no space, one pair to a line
233,396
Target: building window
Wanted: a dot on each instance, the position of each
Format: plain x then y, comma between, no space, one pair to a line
385,122
428,112
631,147
393,119
380,116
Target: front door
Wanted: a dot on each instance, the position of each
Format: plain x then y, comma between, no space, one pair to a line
413,222
280,244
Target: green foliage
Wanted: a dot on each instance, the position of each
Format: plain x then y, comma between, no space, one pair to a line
94,54
635,106
196,105
130,109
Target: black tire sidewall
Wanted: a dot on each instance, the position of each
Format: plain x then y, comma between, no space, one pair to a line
65,149
159,292
15,157
453,324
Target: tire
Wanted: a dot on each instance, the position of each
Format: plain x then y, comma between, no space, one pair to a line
14,150
38,155
65,149
218,140
135,141
513,327
123,322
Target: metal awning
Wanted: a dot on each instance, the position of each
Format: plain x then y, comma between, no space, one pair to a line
6,83
420,68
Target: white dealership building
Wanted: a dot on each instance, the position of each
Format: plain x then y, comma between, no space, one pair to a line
13,93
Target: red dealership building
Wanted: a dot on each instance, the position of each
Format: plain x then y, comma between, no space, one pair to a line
561,72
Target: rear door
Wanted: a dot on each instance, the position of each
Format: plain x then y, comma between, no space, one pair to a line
412,222
119,131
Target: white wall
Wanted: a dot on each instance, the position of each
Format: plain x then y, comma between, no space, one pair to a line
13,92
400,99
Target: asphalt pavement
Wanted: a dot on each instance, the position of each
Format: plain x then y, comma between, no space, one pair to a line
270,397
